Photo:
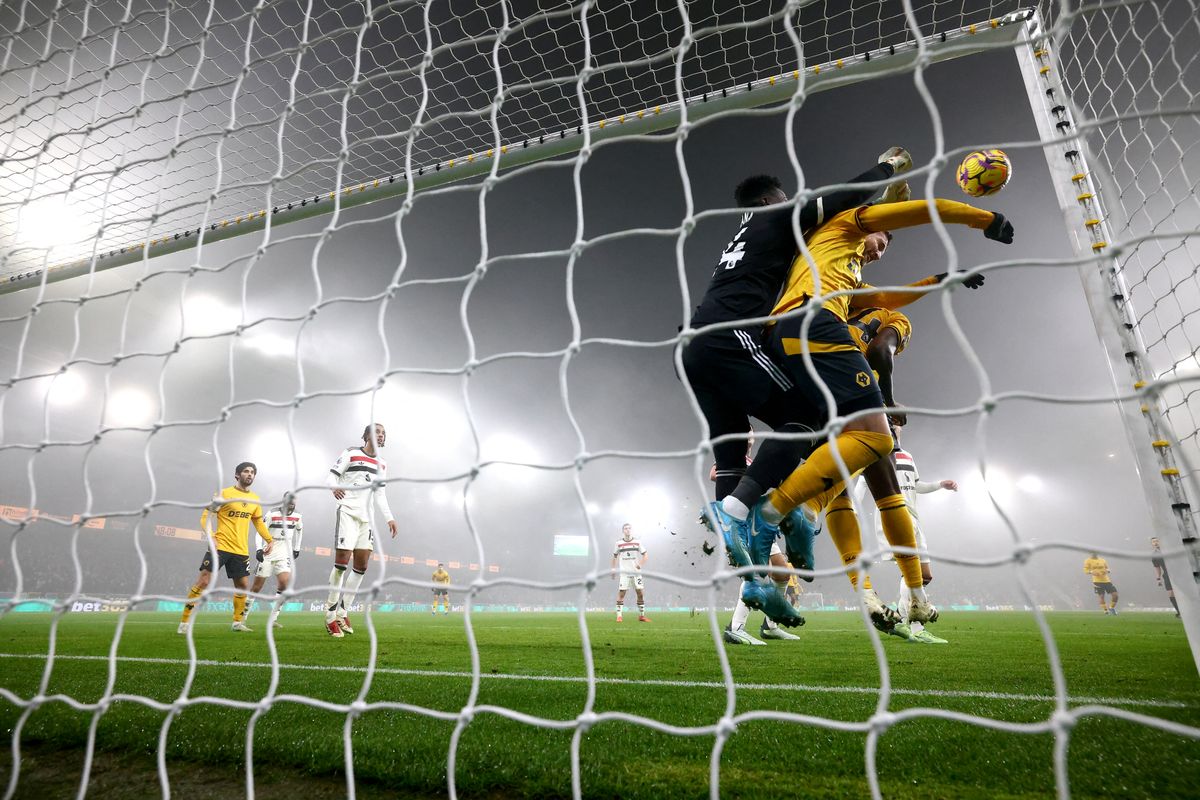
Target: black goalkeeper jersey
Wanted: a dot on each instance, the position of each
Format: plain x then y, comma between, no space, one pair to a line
753,266
756,262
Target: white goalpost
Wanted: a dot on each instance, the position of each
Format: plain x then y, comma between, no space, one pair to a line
239,231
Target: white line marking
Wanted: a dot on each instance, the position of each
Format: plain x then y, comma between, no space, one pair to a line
756,687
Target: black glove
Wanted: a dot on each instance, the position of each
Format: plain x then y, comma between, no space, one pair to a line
295,554
1001,230
971,281
258,556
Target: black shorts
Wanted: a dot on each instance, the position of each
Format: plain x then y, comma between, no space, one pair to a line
441,592
842,367
734,378
1104,588
235,565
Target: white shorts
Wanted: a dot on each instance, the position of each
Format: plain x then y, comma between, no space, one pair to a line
352,533
275,564
633,579
922,546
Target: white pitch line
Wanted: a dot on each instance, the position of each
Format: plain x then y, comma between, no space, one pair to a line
757,687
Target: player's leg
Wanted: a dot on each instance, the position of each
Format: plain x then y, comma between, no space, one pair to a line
337,578
621,596
769,629
1100,596
197,588
711,362
1112,593
639,587
345,534
846,535
900,531
282,581
240,575
735,631
358,569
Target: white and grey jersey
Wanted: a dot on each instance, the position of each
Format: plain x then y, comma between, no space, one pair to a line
356,473
286,528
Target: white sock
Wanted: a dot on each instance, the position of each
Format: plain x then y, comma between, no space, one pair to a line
741,613
918,592
735,508
336,578
350,588
770,514
278,606
903,602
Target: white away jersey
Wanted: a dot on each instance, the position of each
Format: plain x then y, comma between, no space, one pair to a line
285,527
906,471
355,472
627,553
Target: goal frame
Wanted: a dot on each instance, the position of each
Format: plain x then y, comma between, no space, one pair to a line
789,87
1079,187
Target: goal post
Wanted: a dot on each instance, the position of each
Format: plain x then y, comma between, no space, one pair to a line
19,270
1089,199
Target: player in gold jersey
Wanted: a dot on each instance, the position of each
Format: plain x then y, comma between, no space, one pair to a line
235,507
440,592
1102,583
839,251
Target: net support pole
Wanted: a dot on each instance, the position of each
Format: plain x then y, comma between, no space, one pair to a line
1080,196
893,59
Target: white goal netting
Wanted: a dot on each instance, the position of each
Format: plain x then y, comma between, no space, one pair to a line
240,231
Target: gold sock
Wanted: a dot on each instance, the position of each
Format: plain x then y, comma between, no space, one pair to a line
820,473
239,607
898,530
842,524
188,607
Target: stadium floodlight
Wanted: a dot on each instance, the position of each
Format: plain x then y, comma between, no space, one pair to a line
1031,484
67,389
649,507
130,407
271,345
51,222
205,315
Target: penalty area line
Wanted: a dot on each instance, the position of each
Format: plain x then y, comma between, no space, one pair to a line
752,687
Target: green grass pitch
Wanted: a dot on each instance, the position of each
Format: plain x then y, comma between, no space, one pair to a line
668,670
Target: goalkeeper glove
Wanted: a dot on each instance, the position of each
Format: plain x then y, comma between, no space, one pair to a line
295,554
898,192
258,556
971,281
898,157
1000,229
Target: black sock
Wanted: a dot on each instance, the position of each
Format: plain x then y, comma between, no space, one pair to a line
776,459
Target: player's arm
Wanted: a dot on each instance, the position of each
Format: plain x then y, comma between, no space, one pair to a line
297,537
642,563
818,210
334,479
382,504
893,299
263,532
890,216
213,507
881,355
925,487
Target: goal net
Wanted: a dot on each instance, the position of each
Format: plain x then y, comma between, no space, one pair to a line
242,231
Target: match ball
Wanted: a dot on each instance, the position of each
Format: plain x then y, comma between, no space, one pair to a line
984,172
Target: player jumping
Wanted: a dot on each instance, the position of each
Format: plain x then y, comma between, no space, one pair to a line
352,479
